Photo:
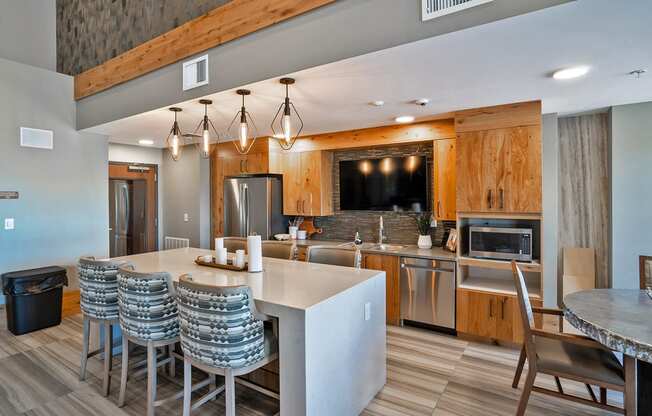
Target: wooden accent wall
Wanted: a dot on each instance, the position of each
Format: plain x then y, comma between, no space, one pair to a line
231,21
584,190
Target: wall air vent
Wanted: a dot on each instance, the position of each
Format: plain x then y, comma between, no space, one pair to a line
195,73
37,138
431,9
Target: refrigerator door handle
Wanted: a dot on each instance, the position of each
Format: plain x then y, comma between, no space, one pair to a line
247,214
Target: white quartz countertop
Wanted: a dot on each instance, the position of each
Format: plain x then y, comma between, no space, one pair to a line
293,284
435,253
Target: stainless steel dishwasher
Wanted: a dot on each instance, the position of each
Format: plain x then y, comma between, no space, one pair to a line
428,293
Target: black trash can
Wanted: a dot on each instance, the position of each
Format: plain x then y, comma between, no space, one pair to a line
33,298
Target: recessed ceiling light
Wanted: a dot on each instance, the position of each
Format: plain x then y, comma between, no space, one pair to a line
378,103
146,142
570,73
404,119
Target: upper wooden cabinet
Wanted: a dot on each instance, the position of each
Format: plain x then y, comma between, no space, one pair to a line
499,165
307,182
444,174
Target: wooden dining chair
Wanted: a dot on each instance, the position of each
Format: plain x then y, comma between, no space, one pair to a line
561,355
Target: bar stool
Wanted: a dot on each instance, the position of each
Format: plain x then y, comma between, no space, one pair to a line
221,333
279,250
235,243
148,317
338,256
98,299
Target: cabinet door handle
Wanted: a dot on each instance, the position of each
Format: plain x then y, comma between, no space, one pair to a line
246,164
489,199
501,197
491,309
241,170
502,309
303,206
298,206
439,209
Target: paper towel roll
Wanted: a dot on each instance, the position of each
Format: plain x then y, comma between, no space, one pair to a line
255,252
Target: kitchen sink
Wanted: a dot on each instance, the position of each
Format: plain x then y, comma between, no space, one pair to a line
374,246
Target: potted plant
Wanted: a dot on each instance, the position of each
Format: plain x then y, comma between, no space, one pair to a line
423,226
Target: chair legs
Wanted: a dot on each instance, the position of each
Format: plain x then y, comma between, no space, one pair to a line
527,389
124,372
151,378
187,387
108,357
519,368
172,365
229,393
85,341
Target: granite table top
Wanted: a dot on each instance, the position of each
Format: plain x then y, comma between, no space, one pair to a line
620,319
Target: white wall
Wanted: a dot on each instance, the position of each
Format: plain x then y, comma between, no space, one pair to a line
550,161
150,156
631,184
62,212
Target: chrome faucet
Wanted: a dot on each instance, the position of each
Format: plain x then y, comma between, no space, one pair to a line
381,231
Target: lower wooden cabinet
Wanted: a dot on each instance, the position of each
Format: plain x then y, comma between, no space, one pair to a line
390,265
491,315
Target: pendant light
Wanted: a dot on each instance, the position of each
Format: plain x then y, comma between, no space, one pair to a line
282,126
242,127
203,141
174,139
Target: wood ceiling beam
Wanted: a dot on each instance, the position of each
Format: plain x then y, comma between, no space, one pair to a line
231,21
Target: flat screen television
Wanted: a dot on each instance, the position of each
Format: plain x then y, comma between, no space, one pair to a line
387,184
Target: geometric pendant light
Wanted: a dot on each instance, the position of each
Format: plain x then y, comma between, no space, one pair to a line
202,136
287,123
242,129
174,140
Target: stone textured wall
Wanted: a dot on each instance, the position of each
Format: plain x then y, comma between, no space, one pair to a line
400,228
90,32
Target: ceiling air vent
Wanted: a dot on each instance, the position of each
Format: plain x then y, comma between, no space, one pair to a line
431,9
195,73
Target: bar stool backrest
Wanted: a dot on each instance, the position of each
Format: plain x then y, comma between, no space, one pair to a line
338,256
219,325
235,243
148,310
98,287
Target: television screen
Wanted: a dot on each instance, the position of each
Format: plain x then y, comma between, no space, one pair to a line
388,184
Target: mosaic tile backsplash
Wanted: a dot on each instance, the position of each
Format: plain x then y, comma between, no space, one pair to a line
400,227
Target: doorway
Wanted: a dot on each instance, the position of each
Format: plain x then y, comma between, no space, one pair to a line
133,209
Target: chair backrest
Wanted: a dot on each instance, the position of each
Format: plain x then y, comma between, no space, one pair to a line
579,269
339,256
98,287
219,325
235,243
279,250
148,310
525,307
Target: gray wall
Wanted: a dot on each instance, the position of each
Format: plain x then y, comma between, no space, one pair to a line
338,31
147,155
631,199
62,212
550,161
186,189
28,32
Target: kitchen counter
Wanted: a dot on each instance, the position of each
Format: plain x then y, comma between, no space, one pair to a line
331,319
434,253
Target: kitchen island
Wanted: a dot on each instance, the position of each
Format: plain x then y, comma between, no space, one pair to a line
331,326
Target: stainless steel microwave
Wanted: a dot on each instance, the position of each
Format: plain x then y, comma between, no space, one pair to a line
501,243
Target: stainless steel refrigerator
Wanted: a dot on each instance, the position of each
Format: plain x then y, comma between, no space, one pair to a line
127,217
253,205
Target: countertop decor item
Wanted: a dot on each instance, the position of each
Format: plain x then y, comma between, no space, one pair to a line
230,264
308,224
423,226
255,252
451,243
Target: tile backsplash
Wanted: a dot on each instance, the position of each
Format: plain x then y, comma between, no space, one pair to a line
400,227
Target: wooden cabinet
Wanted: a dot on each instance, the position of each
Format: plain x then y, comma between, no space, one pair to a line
307,183
390,265
498,159
491,315
444,152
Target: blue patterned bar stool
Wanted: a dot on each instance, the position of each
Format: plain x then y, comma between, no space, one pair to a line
148,317
221,333
98,290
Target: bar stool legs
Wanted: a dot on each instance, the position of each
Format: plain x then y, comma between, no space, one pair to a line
85,340
229,392
106,349
124,371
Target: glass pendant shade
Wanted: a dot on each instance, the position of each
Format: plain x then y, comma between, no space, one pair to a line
205,133
287,123
174,140
242,129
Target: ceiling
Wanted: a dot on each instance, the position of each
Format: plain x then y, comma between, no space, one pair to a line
506,61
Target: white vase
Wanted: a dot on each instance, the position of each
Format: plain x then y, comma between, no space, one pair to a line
424,241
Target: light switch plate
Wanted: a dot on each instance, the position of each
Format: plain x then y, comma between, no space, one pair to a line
9,223
185,217
367,311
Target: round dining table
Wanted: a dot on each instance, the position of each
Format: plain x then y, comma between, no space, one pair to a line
620,319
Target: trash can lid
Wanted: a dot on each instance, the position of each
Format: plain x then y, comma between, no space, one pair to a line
33,280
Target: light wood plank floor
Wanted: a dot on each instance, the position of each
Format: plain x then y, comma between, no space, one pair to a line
428,374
